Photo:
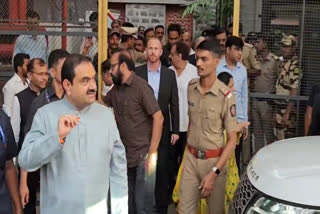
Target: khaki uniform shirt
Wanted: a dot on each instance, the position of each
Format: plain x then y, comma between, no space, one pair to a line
289,76
266,81
209,115
138,57
249,60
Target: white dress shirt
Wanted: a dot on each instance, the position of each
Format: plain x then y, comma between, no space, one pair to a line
15,118
189,73
106,89
11,88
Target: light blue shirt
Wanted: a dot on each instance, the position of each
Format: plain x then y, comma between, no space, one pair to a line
239,74
36,48
75,176
154,80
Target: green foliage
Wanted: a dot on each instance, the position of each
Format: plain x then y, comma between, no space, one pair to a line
204,10
201,10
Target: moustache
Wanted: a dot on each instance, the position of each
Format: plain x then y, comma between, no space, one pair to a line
91,91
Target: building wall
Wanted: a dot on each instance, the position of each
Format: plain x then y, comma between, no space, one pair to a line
250,11
174,16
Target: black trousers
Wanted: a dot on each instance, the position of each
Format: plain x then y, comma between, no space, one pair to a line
33,183
238,153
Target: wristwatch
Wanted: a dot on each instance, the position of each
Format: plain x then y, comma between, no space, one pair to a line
216,170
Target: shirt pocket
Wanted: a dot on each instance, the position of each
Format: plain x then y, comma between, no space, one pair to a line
211,121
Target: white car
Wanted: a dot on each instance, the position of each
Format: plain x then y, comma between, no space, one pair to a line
282,178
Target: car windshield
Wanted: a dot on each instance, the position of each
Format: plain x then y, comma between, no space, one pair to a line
264,205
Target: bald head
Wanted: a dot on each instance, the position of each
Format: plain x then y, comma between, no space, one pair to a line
154,40
186,38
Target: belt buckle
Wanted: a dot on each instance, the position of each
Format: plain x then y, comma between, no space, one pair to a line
201,154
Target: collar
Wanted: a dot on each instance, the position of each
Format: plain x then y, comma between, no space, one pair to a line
185,68
158,70
129,80
18,79
214,89
269,57
51,93
32,91
71,107
192,52
223,62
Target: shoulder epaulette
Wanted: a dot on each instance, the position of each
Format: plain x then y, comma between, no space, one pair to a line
227,92
275,56
248,45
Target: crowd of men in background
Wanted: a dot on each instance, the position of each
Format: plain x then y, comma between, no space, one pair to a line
161,109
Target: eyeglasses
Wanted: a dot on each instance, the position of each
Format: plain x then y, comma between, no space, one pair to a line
41,74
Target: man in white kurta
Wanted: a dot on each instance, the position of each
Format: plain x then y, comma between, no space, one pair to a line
76,144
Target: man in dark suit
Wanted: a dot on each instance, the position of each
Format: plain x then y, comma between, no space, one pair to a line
164,84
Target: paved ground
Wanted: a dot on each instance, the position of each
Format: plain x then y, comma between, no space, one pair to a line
171,210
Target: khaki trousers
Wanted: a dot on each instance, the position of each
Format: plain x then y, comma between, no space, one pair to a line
263,124
194,170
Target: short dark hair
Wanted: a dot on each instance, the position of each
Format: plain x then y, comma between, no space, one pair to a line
213,32
174,27
211,45
143,39
72,61
264,37
93,17
225,77
105,66
127,24
125,37
18,60
139,28
32,62
32,14
182,49
140,38
147,31
126,59
55,56
234,40
159,26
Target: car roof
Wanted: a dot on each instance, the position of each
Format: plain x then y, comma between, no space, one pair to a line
288,170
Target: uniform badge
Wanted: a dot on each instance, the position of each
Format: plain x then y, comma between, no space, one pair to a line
233,110
296,71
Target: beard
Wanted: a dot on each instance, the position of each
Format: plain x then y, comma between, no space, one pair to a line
117,79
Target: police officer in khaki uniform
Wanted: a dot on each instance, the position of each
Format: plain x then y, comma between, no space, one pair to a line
264,83
211,111
287,84
127,43
249,55
249,60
